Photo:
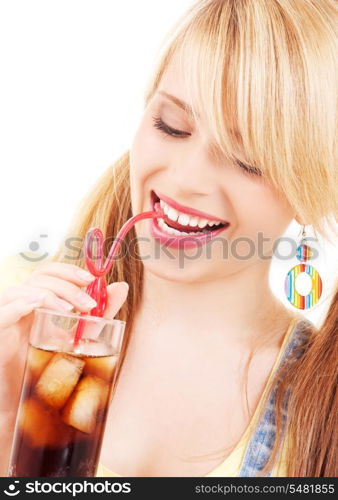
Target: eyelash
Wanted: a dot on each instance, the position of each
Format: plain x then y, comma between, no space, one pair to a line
248,169
168,131
179,134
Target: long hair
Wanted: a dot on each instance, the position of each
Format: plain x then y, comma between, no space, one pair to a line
310,387
262,74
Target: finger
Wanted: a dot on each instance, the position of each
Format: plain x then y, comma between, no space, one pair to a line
70,272
46,297
18,292
117,294
14,311
63,289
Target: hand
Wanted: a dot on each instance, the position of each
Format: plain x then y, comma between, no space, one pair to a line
53,285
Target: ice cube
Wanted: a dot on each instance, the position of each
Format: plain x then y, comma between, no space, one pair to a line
58,379
90,347
88,398
41,426
102,367
37,360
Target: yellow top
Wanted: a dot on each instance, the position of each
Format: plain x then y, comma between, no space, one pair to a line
15,269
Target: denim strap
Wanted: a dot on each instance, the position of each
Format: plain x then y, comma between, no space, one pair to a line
261,442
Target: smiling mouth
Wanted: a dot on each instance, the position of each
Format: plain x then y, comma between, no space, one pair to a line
179,222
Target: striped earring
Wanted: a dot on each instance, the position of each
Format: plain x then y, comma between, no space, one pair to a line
304,253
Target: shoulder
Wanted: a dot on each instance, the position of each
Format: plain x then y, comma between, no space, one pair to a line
16,268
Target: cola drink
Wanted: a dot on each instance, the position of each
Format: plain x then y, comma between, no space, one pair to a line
62,411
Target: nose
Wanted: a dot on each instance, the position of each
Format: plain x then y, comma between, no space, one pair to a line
193,169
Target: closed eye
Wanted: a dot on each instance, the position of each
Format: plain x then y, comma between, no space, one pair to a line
168,131
248,168
180,134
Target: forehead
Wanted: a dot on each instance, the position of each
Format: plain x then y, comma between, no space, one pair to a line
174,84
178,87
172,79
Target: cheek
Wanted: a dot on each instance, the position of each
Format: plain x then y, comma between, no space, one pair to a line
147,153
139,164
149,157
260,209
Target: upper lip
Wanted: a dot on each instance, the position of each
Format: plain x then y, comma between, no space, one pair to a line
187,210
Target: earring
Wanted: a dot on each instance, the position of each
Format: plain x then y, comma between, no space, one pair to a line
304,253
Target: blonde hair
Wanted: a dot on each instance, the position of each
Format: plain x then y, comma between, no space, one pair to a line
262,74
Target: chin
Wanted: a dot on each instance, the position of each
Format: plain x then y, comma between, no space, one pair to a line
192,272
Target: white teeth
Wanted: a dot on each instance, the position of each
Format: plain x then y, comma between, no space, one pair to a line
193,221
183,219
172,214
214,223
168,229
171,230
202,223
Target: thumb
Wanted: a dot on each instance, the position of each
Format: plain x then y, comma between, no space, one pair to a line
117,294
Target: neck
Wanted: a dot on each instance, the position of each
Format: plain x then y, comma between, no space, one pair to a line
240,308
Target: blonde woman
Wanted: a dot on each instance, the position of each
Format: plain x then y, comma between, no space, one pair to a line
237,139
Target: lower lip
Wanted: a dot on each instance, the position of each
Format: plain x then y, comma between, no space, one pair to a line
182,242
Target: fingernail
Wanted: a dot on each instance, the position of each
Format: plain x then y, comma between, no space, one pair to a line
35,299
34,305
85,300
62,304
32,302
85,275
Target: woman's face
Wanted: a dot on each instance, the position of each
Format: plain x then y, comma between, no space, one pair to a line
198,189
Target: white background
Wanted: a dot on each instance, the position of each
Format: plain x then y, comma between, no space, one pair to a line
73,74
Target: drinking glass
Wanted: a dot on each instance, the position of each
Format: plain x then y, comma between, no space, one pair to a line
66,391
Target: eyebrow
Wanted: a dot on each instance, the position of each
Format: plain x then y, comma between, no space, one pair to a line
181,104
